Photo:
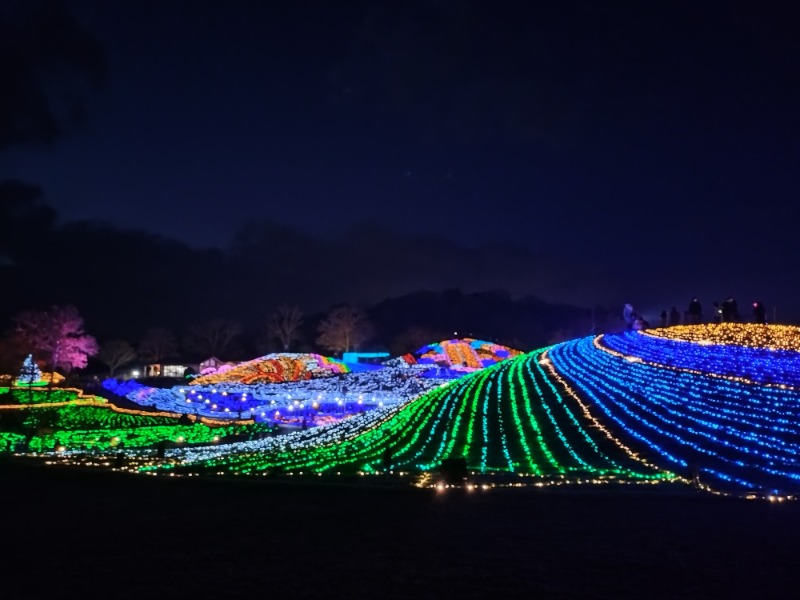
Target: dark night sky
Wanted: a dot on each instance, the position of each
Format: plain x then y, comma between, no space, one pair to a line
655,143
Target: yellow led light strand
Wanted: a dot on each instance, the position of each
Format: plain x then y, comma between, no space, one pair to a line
771,337
600,427
630,358
594,448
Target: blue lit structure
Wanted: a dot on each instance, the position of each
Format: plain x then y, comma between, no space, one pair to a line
364,357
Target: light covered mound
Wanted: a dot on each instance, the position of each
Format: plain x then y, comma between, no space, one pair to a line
274,368
309,401
465,354
65,419
630,408
7,380
694,413
515,418
746,363
770,337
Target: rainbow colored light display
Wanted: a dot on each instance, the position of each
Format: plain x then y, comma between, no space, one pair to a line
274,368
466,354
510,419
716,406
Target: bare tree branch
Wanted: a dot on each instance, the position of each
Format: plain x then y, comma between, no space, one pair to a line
115,354
213,338
285,324
157,344
345,328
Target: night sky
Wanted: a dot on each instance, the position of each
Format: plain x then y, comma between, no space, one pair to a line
647,151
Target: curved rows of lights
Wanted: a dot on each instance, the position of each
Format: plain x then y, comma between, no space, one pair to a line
720,404
67,420
736,435
513,418
761,365
313,402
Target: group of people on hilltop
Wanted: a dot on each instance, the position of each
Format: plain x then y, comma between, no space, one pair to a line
633,320
727,312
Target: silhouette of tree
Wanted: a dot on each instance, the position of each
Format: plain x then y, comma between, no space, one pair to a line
345,328
23,220
44,84
284,324
11,353
157,344
413,338
115,354
216,337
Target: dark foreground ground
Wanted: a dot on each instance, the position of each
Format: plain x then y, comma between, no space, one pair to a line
72,534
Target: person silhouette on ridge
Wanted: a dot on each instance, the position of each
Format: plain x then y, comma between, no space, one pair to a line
695,312
730,310
760,312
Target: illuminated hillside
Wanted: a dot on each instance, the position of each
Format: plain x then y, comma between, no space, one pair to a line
514,418
731,412
720,404
715,405
466,354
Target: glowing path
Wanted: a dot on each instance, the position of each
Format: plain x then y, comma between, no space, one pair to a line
516,418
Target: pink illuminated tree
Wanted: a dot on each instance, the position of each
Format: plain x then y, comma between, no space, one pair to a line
57,336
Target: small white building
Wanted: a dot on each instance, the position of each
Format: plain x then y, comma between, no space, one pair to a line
166,370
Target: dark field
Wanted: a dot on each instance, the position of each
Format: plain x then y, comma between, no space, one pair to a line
72,534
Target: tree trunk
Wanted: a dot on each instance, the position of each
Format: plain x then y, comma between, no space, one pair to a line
53,359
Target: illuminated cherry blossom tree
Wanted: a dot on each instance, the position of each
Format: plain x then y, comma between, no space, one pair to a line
57,336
